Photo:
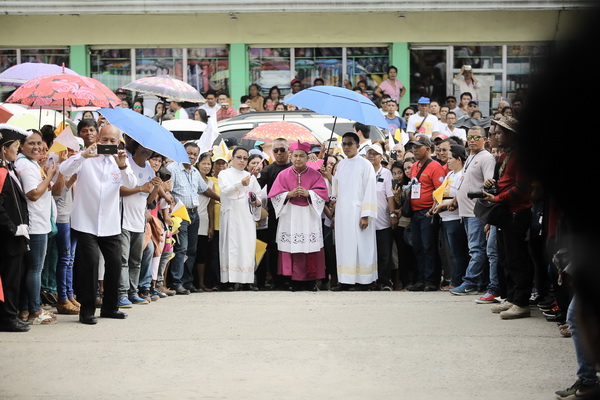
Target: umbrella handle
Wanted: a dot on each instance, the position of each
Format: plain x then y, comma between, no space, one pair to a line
330,137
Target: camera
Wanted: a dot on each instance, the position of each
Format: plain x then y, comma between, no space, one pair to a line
107,149
164,174
478,194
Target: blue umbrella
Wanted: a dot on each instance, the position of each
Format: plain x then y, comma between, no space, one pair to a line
146,132
339,102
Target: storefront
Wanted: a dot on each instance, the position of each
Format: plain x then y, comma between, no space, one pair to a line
228,52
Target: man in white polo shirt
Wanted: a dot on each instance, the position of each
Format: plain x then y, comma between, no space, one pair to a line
96,222
133,217
423,122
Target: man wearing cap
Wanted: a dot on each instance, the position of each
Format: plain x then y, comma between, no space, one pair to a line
298,196
14,229
422,122
478,168
427,175
514,191
386,218
267,177
354,188
296,86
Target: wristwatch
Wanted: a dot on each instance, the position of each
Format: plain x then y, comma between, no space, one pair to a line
393,215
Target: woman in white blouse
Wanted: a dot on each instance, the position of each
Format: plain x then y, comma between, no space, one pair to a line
240,196
36,185
206,228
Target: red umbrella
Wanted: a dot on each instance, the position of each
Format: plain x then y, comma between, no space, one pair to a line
64,91
287,130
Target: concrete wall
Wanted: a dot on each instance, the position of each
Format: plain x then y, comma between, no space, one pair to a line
288,28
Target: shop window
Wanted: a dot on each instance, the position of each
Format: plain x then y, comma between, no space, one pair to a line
367,64
111,67
155,62
270,67
58,56
8,58
208,68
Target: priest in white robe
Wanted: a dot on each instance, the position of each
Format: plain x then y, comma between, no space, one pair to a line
355,193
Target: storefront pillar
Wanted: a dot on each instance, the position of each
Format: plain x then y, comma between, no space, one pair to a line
238,72
79,59
400,58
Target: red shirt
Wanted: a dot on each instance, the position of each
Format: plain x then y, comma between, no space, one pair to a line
514,188
431,178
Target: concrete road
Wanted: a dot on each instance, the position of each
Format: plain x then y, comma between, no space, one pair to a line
304,345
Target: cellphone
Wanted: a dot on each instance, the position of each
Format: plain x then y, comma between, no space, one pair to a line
107,149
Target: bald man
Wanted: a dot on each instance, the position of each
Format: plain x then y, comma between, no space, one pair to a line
96,222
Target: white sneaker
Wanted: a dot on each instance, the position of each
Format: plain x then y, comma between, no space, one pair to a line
516,312
498,308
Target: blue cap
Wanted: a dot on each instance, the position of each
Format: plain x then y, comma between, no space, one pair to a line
258,143
424,100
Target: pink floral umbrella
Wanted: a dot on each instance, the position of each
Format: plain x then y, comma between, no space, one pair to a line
64,91
166,87
281,129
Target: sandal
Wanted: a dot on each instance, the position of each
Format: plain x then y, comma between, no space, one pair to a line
565,331
43,317
66,307
74,302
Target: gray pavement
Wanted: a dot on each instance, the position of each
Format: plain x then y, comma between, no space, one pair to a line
304,345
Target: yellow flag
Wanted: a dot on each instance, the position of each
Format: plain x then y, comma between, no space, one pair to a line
261,249
181,212
398,135
56,147
61,127
438,194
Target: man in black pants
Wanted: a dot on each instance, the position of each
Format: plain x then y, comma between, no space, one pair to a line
267,177
96,223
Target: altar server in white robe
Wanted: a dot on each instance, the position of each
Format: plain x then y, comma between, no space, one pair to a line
355,191
237,239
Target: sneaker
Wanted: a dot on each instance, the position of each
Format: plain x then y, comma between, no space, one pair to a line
135,299
161,295
416,287
486,298
579,389
124,302
498,308
547,305
516,312
463,290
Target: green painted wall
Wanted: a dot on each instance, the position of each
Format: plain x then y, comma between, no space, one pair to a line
79,59
238,72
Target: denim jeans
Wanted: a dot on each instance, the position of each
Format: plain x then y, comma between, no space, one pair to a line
131,257
492,254
424,246
457,242
477,244
182,269
146,267
66,244
34,262
586,369
49,272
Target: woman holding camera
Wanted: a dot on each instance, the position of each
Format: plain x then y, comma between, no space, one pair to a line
237,242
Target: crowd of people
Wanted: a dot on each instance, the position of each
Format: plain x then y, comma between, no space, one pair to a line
449,210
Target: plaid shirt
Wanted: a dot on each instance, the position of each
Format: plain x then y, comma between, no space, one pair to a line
186,185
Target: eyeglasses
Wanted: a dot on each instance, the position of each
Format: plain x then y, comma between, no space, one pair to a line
473,137
241,158
279,150
348,144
